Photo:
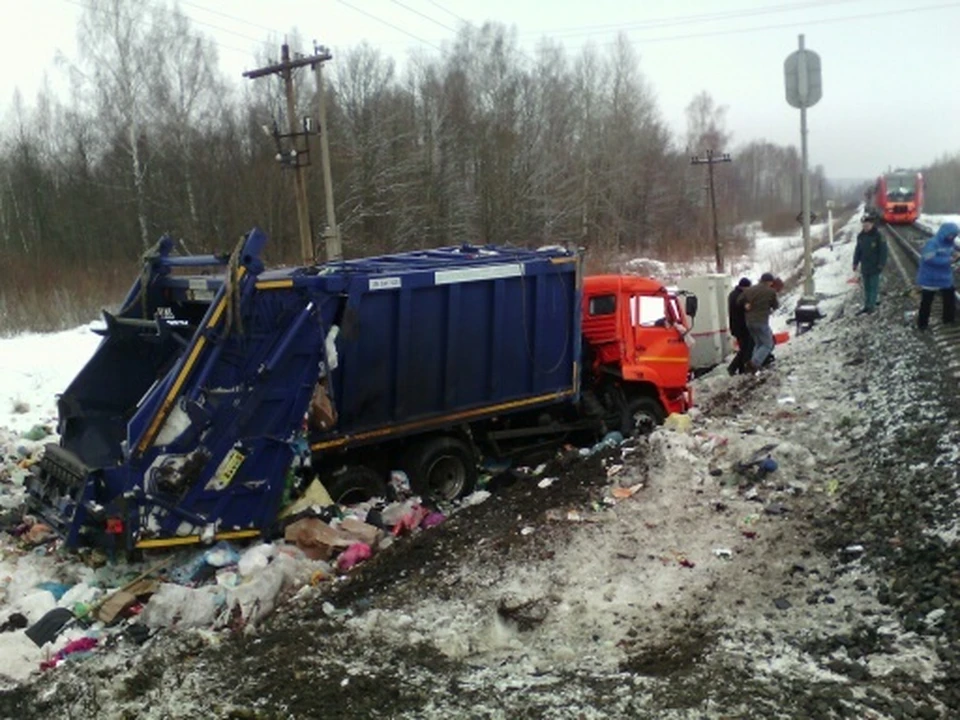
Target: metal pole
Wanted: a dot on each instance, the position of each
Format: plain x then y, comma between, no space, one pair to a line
808,289
332,234
830,223
300,182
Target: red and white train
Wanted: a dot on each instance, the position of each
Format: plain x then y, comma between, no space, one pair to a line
897,197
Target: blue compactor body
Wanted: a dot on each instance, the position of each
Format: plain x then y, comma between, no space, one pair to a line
186,423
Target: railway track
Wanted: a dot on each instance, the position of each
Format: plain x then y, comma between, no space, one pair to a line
907,241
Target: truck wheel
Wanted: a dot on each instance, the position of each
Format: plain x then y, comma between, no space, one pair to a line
355,484
643,415
443,468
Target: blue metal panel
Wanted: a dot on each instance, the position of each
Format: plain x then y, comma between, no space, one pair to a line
439,333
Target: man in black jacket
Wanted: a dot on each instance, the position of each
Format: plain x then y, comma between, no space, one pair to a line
737,321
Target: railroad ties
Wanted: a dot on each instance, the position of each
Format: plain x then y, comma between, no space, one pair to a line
907,241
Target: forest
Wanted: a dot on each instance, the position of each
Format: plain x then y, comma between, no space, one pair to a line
484,143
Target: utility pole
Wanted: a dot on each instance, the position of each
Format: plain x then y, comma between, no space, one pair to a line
298,157
710,160
332,233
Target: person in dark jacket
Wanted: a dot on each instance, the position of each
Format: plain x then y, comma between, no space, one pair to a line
936,274
871,256
737,321
759,301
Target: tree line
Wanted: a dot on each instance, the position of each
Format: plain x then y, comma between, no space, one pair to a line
485,143
942,186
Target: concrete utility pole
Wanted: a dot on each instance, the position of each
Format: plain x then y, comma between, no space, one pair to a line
332,233
710,160
298,157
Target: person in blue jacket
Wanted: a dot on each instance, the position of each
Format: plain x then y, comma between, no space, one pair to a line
871,256
936,274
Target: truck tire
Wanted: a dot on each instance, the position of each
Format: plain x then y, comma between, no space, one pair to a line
644,413
354,484
441,468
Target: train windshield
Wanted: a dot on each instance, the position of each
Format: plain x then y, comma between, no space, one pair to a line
901,187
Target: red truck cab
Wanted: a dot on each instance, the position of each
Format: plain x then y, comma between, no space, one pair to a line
636,332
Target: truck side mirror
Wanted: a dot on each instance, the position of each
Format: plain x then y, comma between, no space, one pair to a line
690,305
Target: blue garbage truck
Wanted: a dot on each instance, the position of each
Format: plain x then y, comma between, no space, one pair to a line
218,377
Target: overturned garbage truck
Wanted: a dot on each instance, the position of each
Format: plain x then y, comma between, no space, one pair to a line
219,383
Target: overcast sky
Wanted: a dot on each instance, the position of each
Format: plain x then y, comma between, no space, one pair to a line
890,97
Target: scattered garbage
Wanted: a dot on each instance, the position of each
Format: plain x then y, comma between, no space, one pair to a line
80,645
400,485
610,440
16,621
475,498
221,555
546,482
315,496
360,531
410,521
621,493
723,553
432,520
180,606
37,433
678,423
353,555
58,590
760,464
317,539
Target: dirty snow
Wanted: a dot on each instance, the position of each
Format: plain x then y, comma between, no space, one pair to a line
711,592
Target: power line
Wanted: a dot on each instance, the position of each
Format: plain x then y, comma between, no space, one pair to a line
168,11
228,16
795,23
673,21
449,12
424,16
390,24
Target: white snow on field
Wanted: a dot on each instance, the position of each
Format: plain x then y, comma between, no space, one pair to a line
34,368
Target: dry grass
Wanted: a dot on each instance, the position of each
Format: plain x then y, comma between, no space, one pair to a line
783,222
55,295
687,252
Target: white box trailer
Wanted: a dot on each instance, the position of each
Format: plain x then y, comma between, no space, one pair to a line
711,328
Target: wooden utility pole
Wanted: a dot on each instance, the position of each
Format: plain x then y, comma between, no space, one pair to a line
710,160
298,156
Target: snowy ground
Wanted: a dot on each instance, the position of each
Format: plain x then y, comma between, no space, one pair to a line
932,222
827,588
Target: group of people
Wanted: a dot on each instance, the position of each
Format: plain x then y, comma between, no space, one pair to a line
934,275
749,305
749,308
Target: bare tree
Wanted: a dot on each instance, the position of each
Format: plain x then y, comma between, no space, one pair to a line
118,56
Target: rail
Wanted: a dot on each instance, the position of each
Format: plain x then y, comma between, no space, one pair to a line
910,239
